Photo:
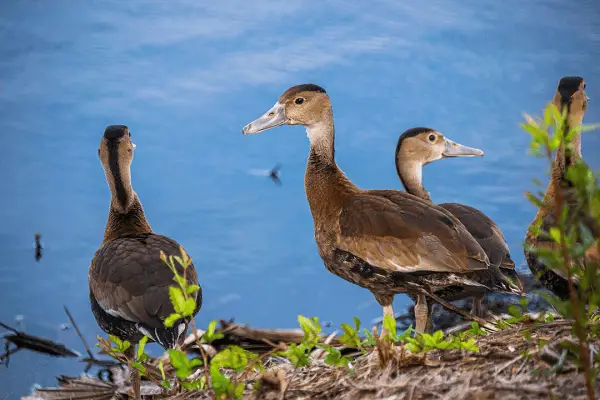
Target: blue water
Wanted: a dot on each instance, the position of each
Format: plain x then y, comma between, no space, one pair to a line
186,77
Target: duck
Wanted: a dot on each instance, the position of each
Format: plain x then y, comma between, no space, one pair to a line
128,281
420,146
387,241
570,94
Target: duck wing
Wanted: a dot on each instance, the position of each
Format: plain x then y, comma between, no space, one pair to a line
128,279
399,232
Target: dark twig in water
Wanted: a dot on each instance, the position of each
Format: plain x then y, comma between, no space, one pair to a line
38,246
34,343
87,348
90,360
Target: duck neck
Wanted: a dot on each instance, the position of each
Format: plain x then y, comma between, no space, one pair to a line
132,222
325,184
411,175
322,139
567,157
126,215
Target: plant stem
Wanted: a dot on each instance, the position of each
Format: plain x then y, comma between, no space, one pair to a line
579,325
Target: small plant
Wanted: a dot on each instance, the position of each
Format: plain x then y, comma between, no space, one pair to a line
236,359
424,342
298,354
183,305
575,207
350,336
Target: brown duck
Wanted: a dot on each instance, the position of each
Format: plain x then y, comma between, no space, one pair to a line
387,241
570,94
129,284
418,147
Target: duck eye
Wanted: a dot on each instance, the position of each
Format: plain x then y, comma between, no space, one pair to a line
432,138
299,100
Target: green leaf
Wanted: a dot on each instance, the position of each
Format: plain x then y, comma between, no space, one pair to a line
141,346
369,338
125,346
350,336
195,362
538,134
210,335
219,382
311,328
297,355
171,319
180,362
138,365
389,324
533,199
189,308
118,342
165,384
177,299
161,368
470,346
589,127
555,234
192,288
233,357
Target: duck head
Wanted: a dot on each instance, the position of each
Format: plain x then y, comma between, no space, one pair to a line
571,94
306,105
116,154
424,145
418,147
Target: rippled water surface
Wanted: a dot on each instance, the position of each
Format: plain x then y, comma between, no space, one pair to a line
186,77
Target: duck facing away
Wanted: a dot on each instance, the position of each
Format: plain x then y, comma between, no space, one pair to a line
570,94
129,284
418,147
387,241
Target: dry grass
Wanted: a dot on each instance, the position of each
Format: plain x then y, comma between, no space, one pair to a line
508,366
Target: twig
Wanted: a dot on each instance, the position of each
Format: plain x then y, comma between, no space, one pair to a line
462,313
8,353
508,364
579,326
519,388
87,349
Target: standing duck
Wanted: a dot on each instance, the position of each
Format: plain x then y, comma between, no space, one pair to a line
129,284
387,241
418,147
570,94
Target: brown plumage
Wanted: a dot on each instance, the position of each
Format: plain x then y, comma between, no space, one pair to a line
128,281
418,147
387,241
570,94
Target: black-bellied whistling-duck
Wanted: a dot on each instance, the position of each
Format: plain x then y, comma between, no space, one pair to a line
418,147
387,241
129,283
570,94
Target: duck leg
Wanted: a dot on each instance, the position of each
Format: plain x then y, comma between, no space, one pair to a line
134,374
478,308
422,314
429,324
387,303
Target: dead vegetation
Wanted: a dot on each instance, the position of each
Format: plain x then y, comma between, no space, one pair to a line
529,361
